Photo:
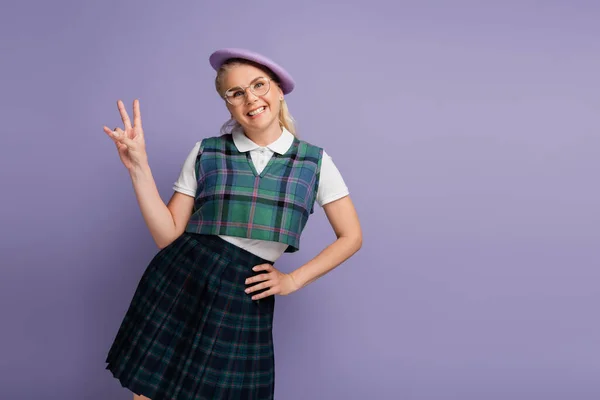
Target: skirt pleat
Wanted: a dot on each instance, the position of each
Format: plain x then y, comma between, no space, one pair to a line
191,332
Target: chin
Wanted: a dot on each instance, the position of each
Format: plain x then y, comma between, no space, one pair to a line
259,123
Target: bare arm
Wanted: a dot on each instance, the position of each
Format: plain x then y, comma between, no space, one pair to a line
344,221
342,217
165,222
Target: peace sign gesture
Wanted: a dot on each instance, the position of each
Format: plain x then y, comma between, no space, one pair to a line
130,140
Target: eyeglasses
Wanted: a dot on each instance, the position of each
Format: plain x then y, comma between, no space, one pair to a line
235,96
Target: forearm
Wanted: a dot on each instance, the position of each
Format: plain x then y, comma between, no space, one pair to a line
331,257
157,216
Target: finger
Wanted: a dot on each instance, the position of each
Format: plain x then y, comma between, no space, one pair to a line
258,278
124,115
131,145
108,131
121,137
260,286
137,116
112,133
119,134
263,267
264,294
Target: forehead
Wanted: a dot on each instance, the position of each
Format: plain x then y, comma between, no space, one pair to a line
241,75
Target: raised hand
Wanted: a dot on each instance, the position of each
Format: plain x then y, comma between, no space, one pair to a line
130,140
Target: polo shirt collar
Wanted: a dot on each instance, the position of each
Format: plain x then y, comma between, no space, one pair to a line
280,146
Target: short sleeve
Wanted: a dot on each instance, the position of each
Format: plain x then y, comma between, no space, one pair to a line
331,183
187,182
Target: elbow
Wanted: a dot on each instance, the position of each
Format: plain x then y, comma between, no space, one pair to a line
355,241
358,242
161,245
164,241
358,238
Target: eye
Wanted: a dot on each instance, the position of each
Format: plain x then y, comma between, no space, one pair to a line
234,93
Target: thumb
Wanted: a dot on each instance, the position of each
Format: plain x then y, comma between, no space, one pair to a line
122,138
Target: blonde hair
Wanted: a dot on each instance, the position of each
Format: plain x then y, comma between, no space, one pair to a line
285,118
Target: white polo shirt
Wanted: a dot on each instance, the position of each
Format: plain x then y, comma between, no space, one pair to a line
331,184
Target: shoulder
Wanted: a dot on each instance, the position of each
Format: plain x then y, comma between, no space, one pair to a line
305,142
325,160
309,149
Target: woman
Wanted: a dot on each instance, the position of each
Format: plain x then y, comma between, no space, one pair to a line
199,325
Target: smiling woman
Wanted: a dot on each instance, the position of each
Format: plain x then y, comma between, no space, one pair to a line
237,69
200,323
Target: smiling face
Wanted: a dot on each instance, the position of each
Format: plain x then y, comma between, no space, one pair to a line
245,85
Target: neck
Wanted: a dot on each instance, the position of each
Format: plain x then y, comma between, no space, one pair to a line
264,137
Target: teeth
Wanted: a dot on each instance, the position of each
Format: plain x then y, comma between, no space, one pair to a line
255,112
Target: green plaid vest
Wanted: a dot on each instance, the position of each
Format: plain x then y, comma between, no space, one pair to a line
232,199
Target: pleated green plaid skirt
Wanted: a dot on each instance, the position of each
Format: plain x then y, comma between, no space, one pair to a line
191,332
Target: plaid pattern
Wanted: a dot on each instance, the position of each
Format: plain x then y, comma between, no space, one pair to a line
233,199
191,332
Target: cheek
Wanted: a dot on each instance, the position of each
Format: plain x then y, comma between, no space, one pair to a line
274,103
235,111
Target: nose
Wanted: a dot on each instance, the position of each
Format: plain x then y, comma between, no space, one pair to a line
250,97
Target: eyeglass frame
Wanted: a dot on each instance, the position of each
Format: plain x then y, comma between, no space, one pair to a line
245,89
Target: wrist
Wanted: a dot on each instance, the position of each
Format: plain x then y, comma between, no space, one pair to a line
295,282
140,171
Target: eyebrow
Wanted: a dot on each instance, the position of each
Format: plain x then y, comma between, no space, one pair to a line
252,81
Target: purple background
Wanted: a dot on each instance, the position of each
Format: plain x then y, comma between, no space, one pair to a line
467,133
